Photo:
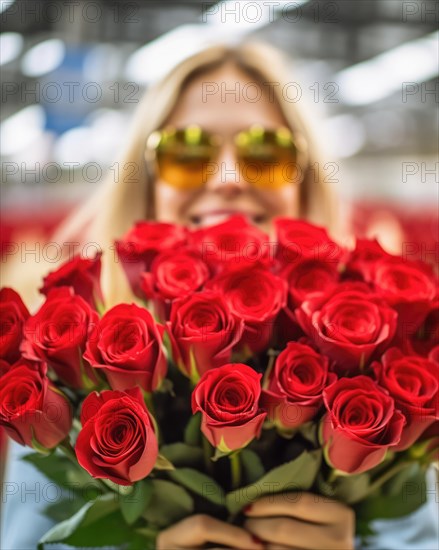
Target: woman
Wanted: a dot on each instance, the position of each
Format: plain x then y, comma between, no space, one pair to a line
193,159
223,91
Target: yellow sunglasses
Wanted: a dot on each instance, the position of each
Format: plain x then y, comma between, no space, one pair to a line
186,158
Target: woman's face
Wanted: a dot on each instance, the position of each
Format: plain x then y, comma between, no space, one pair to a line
226,111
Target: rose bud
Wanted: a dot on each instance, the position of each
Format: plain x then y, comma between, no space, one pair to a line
350,324
174,274
32,410
299,240
228,398
128,348
57,334
203,332
141,244
413,383
233,243
256,296
117,440
83,275
360,425
293,388
13,314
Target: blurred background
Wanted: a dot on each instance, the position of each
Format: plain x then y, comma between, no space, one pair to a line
73,72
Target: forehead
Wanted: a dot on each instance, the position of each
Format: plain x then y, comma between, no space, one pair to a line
226,99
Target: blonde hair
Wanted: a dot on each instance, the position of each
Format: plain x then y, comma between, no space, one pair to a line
114,207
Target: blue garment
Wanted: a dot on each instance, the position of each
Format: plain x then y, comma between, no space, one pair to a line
26,493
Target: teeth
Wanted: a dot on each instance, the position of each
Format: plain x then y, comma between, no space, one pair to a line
213,219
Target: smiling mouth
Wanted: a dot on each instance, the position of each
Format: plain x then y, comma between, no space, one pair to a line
217,216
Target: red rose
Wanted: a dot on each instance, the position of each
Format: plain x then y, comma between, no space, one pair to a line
142,243
233,243
203,332
228,398
360,425
413,382
351,324
57,334
256,296
32,410
293,389
174,274
299,240
13,314
360,260
83,275
309,277
117,440
408,287
127,346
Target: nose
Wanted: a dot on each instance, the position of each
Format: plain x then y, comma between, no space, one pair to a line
226,178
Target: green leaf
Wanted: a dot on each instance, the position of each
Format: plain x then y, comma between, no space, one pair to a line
192,433
363,529
133,505
169,503
181,454
252,465
150,536
148,532
403,498
65,508
200,484
296,475
58,468
90,512
393,486
347,489
162,463
309,432
108,531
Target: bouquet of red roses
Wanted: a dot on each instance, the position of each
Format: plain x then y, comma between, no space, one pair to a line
245,368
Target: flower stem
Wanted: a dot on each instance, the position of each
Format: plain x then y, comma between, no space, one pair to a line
235,469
